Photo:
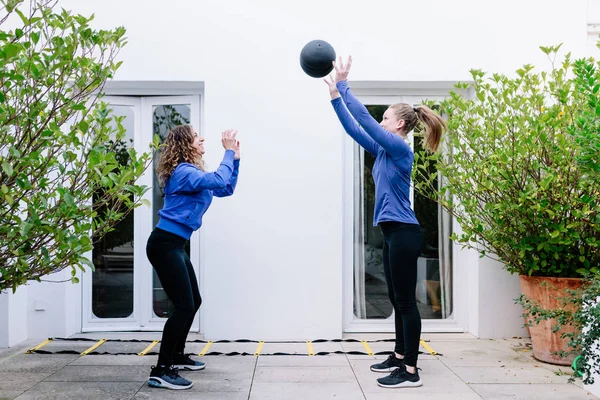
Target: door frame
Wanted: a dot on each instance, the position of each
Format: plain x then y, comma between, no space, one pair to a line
143,227
143,318
382,93
91,323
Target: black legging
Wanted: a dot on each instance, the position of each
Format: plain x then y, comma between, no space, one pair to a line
166,252
401,249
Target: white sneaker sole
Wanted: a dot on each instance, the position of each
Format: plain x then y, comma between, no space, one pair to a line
402,384
189,367
385,370
160,383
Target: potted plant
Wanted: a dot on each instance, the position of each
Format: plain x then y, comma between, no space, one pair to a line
579,310
520,174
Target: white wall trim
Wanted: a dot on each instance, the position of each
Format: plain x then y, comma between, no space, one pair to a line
153,88
402,88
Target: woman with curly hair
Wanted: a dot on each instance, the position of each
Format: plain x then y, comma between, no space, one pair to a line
189,190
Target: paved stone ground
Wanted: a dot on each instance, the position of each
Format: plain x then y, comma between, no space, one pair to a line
466,369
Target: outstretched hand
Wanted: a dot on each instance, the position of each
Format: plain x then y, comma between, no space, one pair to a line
333,90
228,139
341,74
341,70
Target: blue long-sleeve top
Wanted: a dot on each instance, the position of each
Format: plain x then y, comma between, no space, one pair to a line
393,158
189,192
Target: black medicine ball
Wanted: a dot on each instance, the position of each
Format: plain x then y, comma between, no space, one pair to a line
316,58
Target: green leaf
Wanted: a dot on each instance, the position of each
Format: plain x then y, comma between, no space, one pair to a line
25,20
7,168
85,261
25,228
35,37
10,50
69,199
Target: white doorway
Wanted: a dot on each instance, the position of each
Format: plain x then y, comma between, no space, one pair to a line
123,293
366,304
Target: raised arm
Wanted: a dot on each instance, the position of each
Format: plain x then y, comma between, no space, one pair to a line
393,144
199,180
350,125
230,187
353,128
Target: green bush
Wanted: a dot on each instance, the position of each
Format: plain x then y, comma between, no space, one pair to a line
521,167
58,145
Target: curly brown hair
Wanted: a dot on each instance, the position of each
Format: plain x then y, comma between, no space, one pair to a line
434,124
178,148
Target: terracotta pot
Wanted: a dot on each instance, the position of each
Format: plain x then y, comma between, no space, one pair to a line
547,295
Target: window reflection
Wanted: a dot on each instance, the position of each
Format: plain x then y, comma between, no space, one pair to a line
164,118
112,280
371,300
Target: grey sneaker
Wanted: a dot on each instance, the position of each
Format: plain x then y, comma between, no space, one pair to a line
399,378
391,364
168,378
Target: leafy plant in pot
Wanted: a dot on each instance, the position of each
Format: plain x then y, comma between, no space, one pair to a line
579,309
520,175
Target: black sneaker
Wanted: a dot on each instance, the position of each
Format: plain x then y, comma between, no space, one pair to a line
391,364
185,362
399,378
168,378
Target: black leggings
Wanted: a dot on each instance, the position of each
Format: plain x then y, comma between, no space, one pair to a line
401,249
166,252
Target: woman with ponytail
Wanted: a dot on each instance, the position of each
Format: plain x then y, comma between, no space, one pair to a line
189,190
403,237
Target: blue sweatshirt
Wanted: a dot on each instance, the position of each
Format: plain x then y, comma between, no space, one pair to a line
189,192
393,158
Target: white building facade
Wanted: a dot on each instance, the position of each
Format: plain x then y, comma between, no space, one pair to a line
292,255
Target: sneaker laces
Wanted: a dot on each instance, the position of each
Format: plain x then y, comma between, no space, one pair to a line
172,372
391,358
400,371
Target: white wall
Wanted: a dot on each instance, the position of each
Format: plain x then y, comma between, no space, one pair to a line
593,26
272,254
40,310
53,309
484,295
499,316
13,317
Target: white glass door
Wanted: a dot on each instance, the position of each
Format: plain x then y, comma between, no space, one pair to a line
367,307
124,293
111,293
159,116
